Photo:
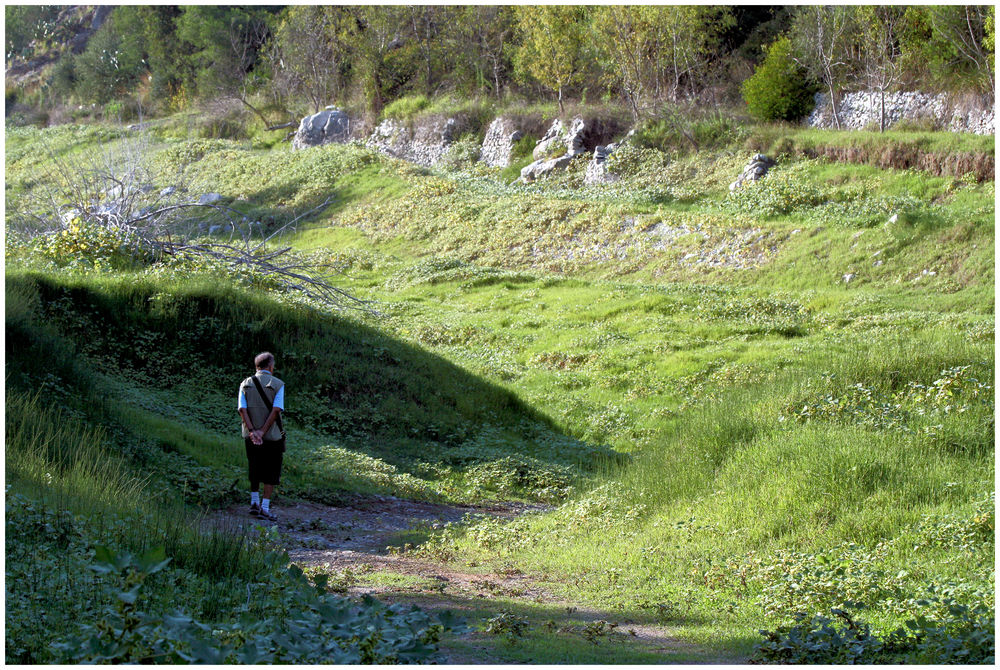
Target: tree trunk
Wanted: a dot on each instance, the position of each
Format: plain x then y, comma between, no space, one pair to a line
881,114
634,103
255,111
561,110
833,105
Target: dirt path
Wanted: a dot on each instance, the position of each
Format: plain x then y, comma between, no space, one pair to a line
350,543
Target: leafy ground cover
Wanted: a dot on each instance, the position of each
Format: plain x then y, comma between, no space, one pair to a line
743,406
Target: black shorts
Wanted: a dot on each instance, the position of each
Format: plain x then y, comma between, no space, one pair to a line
264,461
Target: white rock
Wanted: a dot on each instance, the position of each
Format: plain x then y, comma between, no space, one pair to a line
209,199
848,277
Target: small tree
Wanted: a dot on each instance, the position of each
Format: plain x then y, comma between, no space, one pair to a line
308,55
779,88
970,35
552,45
819,35
110,66
628,36
879,29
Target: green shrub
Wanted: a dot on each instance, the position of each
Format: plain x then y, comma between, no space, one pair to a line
965,635
778,89
62,80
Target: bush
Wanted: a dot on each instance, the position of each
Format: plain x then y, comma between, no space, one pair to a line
62,81
779,90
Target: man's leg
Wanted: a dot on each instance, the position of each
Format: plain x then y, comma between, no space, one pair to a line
270,473
253,472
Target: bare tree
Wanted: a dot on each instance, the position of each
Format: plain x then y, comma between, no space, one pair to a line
113,189
878,38
819,34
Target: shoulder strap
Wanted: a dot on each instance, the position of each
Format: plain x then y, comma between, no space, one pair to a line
267,402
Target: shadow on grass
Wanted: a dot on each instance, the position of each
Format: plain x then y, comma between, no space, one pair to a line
556,633
191,341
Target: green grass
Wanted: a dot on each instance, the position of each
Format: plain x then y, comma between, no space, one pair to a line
931,142
726,413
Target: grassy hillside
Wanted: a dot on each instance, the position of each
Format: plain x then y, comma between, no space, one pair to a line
743,405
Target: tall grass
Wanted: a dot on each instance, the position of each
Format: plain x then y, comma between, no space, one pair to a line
67,463
56,455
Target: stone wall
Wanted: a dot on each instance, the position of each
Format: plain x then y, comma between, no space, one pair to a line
861,109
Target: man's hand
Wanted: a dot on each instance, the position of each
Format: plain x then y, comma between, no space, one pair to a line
257,437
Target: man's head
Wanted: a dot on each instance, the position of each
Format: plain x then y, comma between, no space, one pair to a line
264,361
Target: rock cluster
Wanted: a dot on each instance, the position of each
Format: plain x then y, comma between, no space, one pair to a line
557,136
861,109
499,142
550,140
330,125
597,168
425,144
755,169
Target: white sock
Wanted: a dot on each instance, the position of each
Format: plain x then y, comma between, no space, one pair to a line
265,504
254,498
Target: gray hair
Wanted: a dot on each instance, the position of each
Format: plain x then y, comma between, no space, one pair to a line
265,359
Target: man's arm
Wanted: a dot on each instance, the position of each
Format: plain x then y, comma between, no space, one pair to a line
271,418
254,436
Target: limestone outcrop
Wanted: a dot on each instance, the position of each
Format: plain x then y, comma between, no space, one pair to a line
424,144
499,142
330,125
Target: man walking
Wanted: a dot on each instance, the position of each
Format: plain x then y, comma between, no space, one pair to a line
261,401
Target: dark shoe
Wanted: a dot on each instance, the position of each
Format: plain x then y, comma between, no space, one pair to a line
268,515
254,509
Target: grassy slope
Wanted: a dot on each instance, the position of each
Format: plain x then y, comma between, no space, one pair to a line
700,369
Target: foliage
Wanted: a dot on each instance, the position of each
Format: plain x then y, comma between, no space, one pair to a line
678,134
110,67
966,635
552,45
507,624
317,627
780,192
86,244
27,27
778,88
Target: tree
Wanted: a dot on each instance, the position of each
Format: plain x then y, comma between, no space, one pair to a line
688,39
24,24
552,46
110,66
820,36
629,36
165,54
483,35
309,55
969,33
878,33
779,88
375,34
227,42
